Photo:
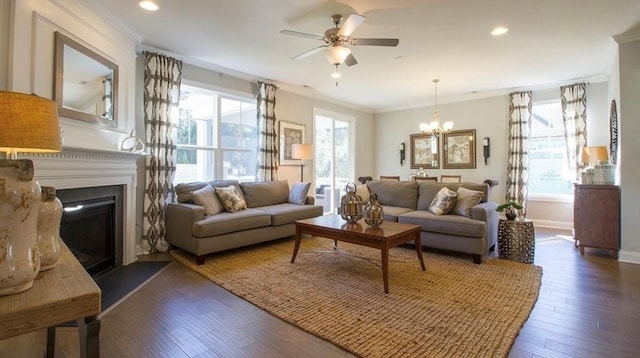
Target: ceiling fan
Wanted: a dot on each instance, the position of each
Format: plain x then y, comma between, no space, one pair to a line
336,39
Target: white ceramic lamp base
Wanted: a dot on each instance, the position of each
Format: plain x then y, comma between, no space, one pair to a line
49,218
19,204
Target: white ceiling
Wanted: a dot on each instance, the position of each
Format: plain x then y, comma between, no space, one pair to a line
550,42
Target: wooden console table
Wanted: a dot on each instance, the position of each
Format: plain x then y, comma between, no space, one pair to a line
64,293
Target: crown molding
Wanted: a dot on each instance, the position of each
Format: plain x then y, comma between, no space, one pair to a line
99,8
626,37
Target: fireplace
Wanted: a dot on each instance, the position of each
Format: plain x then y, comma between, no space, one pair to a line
93,175
91,226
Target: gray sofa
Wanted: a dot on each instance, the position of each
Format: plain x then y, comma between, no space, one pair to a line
269,215
408,202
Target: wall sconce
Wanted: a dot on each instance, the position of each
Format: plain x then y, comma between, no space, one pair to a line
486,146
402,151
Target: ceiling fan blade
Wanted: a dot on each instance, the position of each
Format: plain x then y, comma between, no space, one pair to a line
309,53
350,60
350,24
302,34
374,42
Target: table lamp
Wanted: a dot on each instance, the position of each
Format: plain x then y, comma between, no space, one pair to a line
302,152
29,124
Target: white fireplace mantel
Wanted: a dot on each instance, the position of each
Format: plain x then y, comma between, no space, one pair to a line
81,168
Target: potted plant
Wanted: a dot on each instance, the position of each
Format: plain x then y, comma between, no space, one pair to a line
509,209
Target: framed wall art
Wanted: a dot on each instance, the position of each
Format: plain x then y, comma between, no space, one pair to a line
290,133
459,149
424,151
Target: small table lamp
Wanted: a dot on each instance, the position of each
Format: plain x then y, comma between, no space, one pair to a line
302,152
29,124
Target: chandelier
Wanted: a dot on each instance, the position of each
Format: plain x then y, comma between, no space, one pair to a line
434,127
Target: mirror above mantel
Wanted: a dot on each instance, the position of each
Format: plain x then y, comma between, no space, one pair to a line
86,83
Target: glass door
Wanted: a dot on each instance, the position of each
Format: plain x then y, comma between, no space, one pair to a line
333,138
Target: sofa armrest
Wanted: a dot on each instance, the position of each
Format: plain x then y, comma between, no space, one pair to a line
310,200
179,223
487,212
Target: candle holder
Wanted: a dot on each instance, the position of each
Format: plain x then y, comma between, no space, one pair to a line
373,212
351,204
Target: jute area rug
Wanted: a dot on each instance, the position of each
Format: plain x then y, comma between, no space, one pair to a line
453,309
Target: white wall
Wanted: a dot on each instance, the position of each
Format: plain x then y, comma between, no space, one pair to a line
30,53
629,158
489,117
483,115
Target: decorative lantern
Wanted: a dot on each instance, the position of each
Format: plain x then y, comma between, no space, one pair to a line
351,204
373,212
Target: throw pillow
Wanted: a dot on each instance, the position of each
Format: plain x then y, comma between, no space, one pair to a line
466,200
298,193
362,190
206,197
230,199
443,202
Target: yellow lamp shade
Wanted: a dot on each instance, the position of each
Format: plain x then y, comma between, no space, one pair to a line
28,124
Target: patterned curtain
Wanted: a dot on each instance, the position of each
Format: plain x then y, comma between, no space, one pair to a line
162,76
267,137
520,109
574,116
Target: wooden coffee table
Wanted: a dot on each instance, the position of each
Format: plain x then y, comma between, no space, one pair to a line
388,235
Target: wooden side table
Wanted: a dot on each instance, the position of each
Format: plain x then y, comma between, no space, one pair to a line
62,294
516,240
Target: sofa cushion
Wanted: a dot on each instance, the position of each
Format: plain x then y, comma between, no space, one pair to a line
391,213
466,200
396,193
298,193
265,193
363,192
231,199
443,202
225,222
445,224
287,213
207,198
428,191
184,190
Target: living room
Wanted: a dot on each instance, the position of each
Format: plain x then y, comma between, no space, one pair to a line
28,40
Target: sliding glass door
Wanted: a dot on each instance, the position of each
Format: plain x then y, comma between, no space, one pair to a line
334,153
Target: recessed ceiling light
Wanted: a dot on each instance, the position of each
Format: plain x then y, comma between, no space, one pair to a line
148,5
499,31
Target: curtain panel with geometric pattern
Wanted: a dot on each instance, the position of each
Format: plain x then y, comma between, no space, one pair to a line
520,109
267,135
162,77
574,117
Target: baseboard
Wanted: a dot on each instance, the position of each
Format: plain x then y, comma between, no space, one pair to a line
632,257
561,225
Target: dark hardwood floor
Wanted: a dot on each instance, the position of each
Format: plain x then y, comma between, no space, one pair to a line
588,307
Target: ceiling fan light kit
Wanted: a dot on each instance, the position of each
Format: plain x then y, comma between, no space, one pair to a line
336,54
337,38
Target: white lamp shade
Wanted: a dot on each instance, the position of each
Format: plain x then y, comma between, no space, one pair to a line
447,126
337,54
301,151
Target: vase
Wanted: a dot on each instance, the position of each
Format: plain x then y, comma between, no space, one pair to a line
49,217
19,204
510,214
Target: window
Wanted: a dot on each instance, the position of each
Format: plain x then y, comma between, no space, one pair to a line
217,136
549,170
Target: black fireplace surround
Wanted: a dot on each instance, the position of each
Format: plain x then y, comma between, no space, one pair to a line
92,226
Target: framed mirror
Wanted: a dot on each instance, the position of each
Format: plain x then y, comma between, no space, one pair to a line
86,84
